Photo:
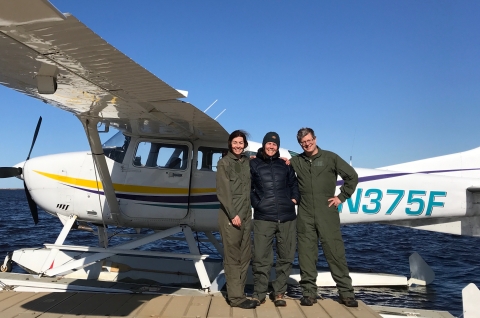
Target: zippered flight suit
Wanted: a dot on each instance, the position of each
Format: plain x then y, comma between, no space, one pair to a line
317,179
233,192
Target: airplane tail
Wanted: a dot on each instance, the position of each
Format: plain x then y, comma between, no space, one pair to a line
463,165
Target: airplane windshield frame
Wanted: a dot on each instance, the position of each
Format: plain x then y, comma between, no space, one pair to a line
116,147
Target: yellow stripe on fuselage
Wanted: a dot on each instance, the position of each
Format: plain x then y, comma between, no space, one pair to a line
122,187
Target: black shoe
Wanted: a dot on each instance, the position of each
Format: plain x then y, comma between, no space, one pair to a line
258,301
308,301
349,301
280,301
247,304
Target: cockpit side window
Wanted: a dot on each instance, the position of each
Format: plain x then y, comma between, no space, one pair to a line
116,147
207,158
160,155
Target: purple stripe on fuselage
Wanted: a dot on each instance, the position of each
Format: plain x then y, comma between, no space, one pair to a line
163,199
393,175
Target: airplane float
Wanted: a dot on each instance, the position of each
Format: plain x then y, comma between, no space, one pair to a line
158,171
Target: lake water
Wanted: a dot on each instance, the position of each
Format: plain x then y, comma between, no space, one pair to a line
370,247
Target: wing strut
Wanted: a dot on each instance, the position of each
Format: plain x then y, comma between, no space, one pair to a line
90,126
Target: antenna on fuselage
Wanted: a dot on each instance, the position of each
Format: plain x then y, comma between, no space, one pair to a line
210,106
353,143
220,114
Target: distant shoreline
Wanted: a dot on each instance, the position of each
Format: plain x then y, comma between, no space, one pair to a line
10,188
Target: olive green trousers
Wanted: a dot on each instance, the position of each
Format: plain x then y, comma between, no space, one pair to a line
323,224
237,253
263,234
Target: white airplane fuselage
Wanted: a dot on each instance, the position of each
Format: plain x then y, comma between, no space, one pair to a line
160,197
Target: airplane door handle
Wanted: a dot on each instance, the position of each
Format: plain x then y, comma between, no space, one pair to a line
173,174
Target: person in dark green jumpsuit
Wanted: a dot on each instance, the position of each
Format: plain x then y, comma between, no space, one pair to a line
318,218
235,218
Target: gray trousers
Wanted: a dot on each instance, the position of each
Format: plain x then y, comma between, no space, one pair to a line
263,234
237,249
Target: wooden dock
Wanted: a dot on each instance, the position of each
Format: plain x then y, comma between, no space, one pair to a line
90,305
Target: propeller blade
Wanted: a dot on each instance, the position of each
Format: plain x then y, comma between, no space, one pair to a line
8,172
35,137
31,204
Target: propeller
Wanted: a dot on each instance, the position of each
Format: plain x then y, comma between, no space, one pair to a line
8,172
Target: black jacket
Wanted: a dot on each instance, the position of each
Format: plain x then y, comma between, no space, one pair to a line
274,185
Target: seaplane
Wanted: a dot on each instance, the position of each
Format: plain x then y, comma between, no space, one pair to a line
157,173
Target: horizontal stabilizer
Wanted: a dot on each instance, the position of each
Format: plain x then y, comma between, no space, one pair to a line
466,225
470,298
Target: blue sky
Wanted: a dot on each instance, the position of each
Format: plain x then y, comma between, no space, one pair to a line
384,81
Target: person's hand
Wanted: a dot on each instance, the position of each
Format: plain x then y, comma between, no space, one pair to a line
236,221
294,201
334,201
287,161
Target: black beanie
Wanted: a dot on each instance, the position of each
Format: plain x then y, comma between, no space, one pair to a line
273,137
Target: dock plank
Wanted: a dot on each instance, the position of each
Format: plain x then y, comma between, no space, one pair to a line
291,310
155,307
199,307
41,304
219,308
132,306
89,305
362,311
100,305
13,304
66,307
334,309
112,308
315,311
242,313
6,294
267,310
177,307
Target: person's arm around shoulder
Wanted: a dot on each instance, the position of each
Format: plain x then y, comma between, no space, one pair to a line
224,193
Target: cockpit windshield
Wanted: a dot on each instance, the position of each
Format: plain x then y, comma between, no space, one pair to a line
115,147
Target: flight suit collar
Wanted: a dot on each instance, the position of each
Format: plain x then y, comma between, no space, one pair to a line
232,156
317,155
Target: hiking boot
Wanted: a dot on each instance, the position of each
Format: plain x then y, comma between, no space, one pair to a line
247,304
308,301
258,301
349,301
280,301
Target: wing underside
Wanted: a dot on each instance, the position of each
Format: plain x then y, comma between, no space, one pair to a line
93,78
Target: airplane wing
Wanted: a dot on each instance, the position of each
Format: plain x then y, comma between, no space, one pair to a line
57,59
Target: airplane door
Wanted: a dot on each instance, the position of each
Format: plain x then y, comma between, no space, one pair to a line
157,184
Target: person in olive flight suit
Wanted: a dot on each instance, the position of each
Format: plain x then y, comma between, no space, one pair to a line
274,196
318,217
235,218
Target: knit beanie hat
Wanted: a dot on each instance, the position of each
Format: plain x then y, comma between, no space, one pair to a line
273,137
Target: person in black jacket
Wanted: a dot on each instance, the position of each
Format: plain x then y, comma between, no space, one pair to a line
274,196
